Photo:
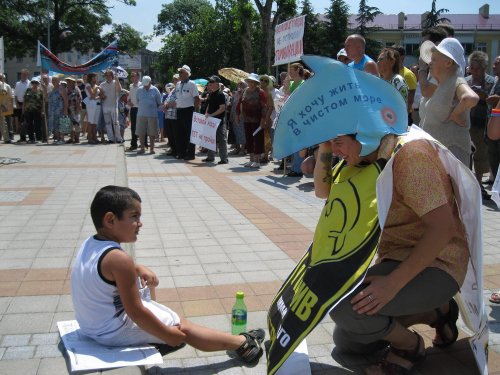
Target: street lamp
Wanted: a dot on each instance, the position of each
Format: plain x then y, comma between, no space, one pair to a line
48,24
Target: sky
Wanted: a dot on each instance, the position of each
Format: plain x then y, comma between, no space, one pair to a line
144,15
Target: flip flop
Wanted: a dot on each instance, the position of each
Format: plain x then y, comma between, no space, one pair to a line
495,297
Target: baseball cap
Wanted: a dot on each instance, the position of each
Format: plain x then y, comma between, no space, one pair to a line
146,80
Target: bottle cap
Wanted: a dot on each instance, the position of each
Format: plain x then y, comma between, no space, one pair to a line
240,294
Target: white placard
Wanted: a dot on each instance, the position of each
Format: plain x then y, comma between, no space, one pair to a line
86,354
288,41
204,130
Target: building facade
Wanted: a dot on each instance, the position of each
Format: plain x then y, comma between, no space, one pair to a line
479,31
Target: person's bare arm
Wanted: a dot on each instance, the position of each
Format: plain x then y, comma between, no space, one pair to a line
426,87
323,171
372,68
493,100
119,267
493,129
467,99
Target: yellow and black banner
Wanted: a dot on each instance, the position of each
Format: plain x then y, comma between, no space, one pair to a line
345,242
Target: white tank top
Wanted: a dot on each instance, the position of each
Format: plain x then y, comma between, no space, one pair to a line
98,308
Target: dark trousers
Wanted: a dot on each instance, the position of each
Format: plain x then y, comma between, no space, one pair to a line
255,143
182,132
170,125
33,121
133,121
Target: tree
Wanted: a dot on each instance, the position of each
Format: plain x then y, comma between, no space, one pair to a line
208,39
367,14
337,16
312,30
179,16
24,22
434,16
130,40
285,9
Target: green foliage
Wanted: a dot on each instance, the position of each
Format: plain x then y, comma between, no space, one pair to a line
207,41
434,16
180,16
337,16
130,40
312,29
24,22
366,14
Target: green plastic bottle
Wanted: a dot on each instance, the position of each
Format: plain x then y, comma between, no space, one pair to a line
239,315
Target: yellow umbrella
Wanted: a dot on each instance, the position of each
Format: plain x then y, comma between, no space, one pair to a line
233,74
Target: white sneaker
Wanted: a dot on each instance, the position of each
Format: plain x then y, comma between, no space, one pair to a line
255,165
248,164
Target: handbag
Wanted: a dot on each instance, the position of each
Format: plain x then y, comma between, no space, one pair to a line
64,124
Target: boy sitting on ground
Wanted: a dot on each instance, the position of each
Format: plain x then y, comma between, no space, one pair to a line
108,304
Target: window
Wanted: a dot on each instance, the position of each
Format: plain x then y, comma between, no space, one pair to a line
482,46
468,48
411,49
19,59
69,58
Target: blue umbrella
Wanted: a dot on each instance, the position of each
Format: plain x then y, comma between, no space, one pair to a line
200,81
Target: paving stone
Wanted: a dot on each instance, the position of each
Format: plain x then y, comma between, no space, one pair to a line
45,339
47,351
27,366
19,352
53,366
15,340
33,304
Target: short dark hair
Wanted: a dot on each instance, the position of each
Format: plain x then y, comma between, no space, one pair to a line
401,50
115,199
435,34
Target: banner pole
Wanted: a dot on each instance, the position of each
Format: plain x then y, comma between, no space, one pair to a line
284,159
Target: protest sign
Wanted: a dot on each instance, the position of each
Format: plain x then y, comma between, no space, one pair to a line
203,131
288,40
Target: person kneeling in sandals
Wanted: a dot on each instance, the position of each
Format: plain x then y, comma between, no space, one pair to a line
110,291
422,258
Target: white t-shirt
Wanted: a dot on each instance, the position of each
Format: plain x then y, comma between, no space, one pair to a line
109,89
186,92
98,308
20,90
132,95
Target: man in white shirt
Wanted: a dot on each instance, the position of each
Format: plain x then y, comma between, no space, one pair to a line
186,103
19,91
6,106
110,90
132,103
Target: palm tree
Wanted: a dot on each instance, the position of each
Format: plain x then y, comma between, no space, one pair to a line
434,16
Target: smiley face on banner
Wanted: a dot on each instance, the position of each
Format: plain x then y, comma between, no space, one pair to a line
339,100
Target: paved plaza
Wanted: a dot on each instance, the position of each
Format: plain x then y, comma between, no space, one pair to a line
208,231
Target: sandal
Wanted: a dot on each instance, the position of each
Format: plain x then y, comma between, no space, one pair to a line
495,297
414,356
443,322
251,350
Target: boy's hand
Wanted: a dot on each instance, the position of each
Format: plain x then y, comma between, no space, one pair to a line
176,336
148,277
